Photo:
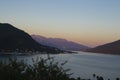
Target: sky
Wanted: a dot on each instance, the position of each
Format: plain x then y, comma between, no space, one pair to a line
88,22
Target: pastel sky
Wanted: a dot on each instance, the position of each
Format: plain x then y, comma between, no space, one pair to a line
89,22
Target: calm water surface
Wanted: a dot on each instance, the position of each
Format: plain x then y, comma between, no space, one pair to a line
84,64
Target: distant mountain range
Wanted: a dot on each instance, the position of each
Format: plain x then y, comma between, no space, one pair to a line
59,43
109,48
13,39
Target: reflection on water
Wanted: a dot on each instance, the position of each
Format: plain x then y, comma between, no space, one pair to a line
83,64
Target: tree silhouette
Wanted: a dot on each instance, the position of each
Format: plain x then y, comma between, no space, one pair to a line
94,75
117,78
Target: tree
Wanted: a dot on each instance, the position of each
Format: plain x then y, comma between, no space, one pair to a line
94,75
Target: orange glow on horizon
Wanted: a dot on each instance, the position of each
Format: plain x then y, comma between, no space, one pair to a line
88,39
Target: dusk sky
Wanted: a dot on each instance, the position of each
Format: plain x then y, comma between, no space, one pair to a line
89,22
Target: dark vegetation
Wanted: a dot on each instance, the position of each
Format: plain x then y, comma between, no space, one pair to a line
42,69
13,39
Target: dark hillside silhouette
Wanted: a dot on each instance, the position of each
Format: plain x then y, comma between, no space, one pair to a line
13,39
110,48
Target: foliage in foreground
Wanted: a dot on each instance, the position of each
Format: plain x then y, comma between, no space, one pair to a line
43,69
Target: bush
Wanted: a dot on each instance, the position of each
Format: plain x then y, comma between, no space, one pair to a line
43,69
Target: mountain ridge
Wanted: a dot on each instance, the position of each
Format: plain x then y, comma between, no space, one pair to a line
108,48
60,43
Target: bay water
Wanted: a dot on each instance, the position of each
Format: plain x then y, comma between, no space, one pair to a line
82,64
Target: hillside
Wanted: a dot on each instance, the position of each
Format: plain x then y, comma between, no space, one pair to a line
62,44
13,39
110,48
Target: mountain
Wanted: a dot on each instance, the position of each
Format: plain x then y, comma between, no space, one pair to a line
59,43
13,39
109,48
